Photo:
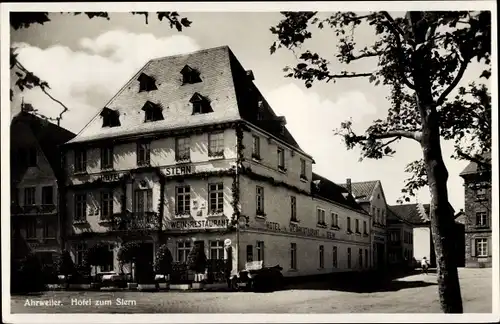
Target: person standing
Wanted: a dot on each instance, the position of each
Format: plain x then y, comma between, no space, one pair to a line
425,265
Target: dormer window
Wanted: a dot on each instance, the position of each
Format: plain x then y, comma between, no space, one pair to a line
146,83
153,112
110,118
201,105
190,75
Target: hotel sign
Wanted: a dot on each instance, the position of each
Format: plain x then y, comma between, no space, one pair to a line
303,231
197,225
179,170
110,177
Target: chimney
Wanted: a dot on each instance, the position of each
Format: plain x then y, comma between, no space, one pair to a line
348,185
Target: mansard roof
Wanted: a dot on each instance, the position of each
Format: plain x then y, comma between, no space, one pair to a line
226,84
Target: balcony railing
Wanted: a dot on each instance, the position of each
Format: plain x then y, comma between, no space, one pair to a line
131,221
33,209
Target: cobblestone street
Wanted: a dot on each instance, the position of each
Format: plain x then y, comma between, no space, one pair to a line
412,294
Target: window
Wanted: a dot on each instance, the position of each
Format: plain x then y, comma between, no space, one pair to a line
49,229
321,216
146,83
293,208
366,259
80,207
143,153
360,258
256,147
106,204
302,169
216,194
365,229
481,219
29,196
183,200
152,112
249,253
321,256
260,251
349,258
201,105
32,157
80,160
31,228
334,257
143,201
482,247
349,225
357,226
217,250
395,237
481,194
378,216
293,256
260,200
110,117
80,250
216,144
281,159
190,75
109,259
183,249
182,149
106,158
382,217
335,220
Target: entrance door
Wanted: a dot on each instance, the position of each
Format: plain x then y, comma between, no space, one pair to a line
380,255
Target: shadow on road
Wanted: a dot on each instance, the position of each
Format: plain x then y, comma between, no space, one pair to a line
360,284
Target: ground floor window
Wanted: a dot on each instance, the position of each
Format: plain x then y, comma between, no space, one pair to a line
349,257
183,249
49,229
216,250
321,256
334,256
293,256
80,250
260,251
249,253
367,265
31,228
110,257
361,258
482,247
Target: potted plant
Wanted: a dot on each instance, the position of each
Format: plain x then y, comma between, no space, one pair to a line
129,253
27,275
163,266
97,255
64,268
197,262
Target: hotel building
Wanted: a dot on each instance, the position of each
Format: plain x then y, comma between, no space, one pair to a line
189,152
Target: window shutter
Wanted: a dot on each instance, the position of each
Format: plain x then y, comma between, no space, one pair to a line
473,247
489,246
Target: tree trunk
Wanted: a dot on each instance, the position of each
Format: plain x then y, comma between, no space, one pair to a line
442,221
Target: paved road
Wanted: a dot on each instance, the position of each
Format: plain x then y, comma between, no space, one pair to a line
413,294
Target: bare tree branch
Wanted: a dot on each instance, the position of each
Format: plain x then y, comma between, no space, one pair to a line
352,75
415,135
457,79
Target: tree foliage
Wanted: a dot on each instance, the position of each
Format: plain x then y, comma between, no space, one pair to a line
421,58
28,80
131,251
163,260
454,39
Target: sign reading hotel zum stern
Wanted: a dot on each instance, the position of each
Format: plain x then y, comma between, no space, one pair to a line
178,170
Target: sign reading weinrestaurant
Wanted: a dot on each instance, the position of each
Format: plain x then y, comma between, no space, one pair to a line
299,230
200,224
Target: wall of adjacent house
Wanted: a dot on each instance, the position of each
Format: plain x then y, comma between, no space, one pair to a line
422,243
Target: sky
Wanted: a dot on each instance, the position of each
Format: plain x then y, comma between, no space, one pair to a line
86,61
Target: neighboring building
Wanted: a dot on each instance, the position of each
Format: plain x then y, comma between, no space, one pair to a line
370,195
478,200
420,240
400,239
35,171
189,152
